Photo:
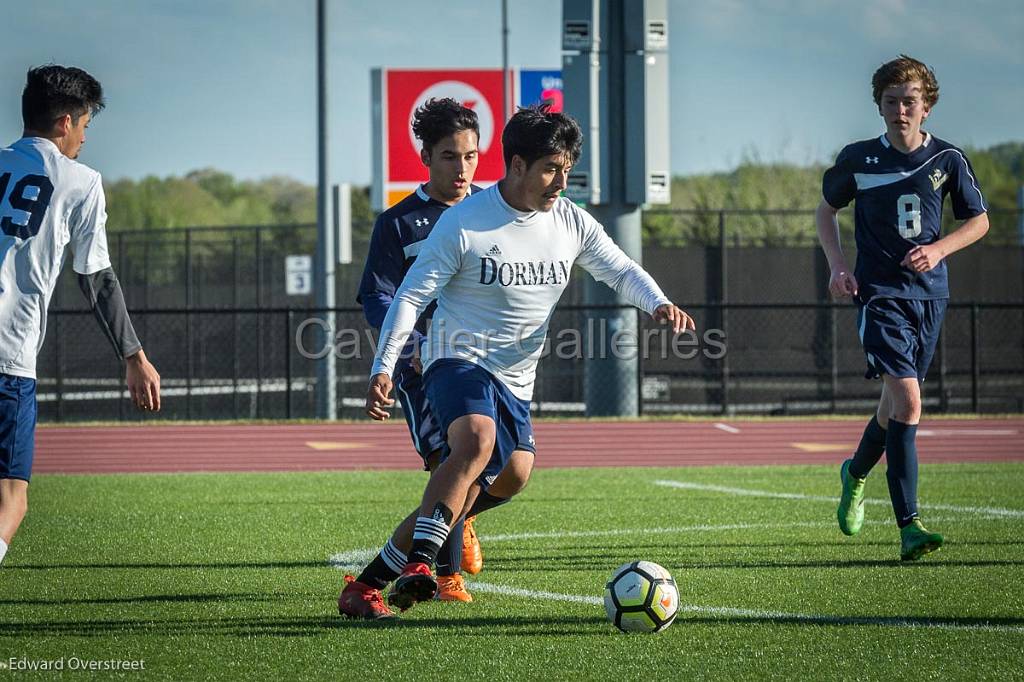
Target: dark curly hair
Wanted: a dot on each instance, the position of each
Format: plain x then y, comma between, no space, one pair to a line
440,118
52,91
534,132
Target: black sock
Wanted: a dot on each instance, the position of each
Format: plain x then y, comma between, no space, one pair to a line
485,501
872,445
384,568
901,450
449,558
429,535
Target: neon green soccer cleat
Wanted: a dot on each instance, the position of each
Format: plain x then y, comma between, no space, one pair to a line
851,502
917,541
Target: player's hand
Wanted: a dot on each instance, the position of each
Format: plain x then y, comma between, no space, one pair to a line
377,400
669,313
842,283
143,382
923,258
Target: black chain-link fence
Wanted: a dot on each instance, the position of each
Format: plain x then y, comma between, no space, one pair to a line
211,308
746,359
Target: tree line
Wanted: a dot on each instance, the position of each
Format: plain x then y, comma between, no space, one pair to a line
764,191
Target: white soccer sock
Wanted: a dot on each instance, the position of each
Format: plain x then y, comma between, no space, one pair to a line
3,550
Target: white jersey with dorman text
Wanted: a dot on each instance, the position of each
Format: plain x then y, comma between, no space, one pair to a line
497,274
47,202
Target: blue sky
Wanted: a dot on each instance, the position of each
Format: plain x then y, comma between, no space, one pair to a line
231,83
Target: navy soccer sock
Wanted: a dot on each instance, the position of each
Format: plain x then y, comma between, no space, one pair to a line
872,445
901,450
449,558
384,568
485,501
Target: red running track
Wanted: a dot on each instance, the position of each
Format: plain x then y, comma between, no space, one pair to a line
134,449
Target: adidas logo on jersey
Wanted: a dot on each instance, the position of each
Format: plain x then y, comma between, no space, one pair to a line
495,251
938,177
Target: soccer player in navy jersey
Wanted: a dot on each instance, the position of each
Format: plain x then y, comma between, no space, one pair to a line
450,134
899,181
49,203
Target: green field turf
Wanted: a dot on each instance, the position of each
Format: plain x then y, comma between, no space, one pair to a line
227,576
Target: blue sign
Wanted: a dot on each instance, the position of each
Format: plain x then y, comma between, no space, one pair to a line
540,85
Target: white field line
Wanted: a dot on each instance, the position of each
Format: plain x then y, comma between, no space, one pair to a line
967,432
355,559
726,428
754,615
982,511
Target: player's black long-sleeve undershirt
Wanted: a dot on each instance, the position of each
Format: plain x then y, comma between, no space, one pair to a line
103,292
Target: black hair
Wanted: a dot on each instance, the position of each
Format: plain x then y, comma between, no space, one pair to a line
440,118
52,91
534,132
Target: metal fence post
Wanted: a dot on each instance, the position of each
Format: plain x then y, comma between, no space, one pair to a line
259,321
188,268
288,364
236,332
188,363
975,368
723,316
943,397
833,353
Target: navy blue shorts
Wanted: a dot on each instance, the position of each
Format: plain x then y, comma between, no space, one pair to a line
899,335
17,426
426,433
457,388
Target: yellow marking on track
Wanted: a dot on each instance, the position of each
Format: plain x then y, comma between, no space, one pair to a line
822,447
336,445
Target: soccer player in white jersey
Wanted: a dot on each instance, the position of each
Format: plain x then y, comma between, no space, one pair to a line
899,181
48,202
497,263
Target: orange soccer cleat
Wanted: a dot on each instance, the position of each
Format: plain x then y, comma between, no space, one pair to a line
472,555
452,588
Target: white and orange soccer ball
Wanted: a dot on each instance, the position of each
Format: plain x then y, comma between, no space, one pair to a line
641,596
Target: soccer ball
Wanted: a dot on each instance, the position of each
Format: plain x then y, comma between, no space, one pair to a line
641,596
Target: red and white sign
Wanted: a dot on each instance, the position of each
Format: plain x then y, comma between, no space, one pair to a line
405,90
398,169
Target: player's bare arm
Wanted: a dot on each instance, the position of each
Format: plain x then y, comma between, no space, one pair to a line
671,314
143,382
842,283
924,258
377,400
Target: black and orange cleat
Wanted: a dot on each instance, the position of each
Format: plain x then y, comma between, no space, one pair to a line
416,584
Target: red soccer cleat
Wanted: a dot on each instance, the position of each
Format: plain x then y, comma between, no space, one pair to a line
415,584
359,600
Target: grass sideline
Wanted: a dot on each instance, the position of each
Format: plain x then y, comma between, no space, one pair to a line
226,576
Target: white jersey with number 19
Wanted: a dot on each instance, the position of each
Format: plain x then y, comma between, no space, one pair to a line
47,202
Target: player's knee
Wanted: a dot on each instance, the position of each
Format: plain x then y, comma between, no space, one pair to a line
514,477
471,437
14,506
